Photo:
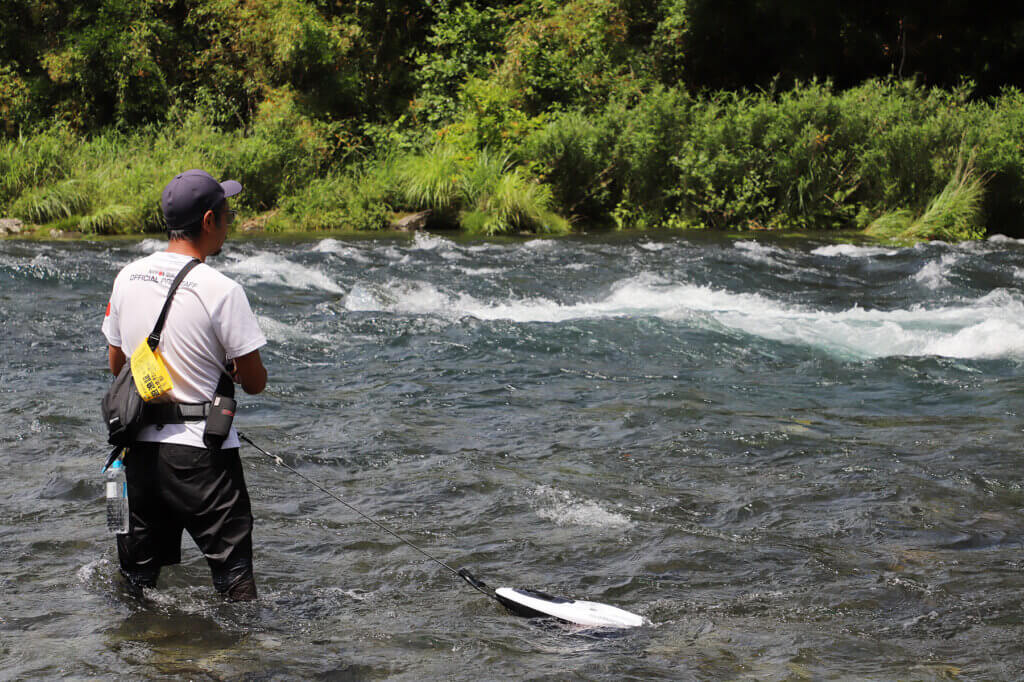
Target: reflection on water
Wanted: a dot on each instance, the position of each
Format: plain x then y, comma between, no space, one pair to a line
798,460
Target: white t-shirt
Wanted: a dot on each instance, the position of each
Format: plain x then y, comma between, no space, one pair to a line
209,323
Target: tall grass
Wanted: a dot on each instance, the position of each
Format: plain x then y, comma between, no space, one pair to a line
514,203
111,219
49,203
433,180
55,175
480,175
954,215
891,225
360,200
481,192
27,162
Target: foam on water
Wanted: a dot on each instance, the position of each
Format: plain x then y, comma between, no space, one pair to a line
757,251
429,242
151,245
334,246
41,266
193,600
852,251
952,330
564,509
933,274
652,246
270,268
1003,239
988,339
360,298
479,271
282,333
89,571
540,244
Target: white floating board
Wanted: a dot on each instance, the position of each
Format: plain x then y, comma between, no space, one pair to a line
587,613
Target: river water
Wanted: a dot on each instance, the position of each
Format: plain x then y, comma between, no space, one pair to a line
797,460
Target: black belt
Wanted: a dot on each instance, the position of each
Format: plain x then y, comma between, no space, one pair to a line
175,413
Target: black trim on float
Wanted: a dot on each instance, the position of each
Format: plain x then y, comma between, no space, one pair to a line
521,610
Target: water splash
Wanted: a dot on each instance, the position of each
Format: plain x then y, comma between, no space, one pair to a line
933,275
652,246
269,268
953,330
429,242
755,251
565,509
151,245
852,251
284,334
540,244
335,247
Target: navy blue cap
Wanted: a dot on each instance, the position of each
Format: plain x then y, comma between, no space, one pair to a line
188,197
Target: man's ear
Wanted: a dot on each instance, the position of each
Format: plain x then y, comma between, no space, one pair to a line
210,221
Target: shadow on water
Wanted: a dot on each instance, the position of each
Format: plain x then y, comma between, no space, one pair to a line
175,643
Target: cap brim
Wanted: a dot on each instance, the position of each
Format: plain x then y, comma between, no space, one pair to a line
231,188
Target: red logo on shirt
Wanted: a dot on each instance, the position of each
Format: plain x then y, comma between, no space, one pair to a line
108,309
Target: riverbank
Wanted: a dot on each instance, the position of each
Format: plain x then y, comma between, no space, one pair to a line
151,241
900,160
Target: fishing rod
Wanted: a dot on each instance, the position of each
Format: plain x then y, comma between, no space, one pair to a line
521,602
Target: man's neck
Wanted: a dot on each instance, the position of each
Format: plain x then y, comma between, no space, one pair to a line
186,247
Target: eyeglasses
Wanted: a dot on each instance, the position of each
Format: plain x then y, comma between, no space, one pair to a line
229,217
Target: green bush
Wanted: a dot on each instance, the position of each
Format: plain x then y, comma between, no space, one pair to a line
482,192
807,158
514,202
352,202
575,153
16,106
285,150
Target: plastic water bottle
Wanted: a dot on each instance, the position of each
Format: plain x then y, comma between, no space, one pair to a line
117,498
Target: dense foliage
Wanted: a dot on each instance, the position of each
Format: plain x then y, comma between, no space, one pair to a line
512,116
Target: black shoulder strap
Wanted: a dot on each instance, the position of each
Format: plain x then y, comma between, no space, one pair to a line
154,336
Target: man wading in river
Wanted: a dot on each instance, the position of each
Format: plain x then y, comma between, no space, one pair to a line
175,481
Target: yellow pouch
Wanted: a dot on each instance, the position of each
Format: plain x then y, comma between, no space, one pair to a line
150,372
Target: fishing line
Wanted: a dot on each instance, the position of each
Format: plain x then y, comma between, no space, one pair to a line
527,603
307,479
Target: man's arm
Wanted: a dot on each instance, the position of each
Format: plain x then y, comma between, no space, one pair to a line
116,358
250,372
